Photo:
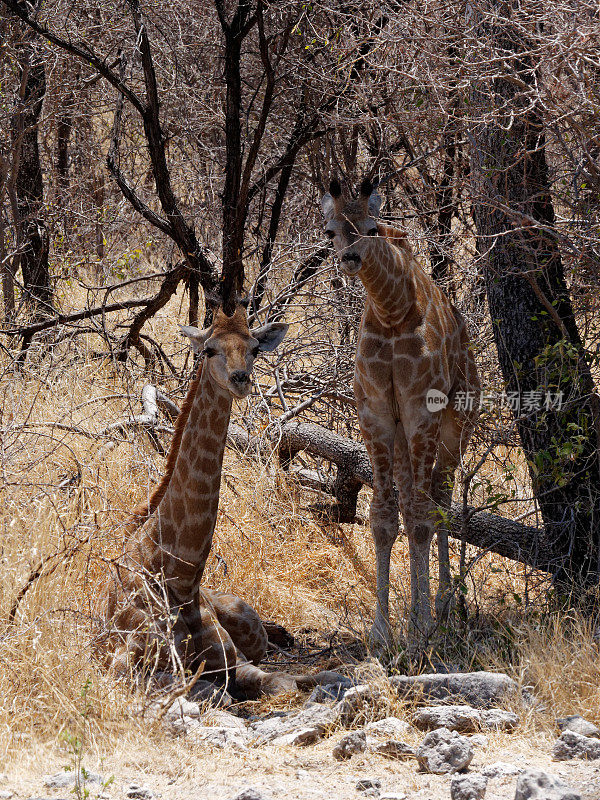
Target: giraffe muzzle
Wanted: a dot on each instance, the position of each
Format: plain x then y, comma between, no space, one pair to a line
351,263
240,382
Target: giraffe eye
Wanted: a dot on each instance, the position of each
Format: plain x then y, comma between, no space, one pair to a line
330,234
255,351
372,232
209,352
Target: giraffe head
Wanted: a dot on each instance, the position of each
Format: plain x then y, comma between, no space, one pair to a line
349,221
231,348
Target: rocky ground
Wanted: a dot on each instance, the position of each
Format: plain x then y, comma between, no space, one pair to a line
458,738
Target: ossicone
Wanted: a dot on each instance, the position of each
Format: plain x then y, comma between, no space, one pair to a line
335,188
366,188
214,300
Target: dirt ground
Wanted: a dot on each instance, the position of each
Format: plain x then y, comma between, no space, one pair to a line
176,769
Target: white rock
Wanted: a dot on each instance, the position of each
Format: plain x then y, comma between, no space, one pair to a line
6,794
479,740
223,719
579,725
461,718
573,745
443,751
479,689
390,727
316,716
181,707
465,719
395,749
468,787
500,769
265,730
64,779
495,719
350,745
303,737
354,700
534,784
221,738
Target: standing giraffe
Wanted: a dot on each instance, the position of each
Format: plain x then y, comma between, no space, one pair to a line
155,596
412,340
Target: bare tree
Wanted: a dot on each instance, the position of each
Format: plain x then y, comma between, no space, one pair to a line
539,346
25,183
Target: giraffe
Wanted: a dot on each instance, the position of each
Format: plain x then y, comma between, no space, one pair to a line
155,596
412,341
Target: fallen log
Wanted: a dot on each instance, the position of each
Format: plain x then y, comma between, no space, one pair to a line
351,459
523,543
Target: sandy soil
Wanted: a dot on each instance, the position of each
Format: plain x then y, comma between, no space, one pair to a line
177,770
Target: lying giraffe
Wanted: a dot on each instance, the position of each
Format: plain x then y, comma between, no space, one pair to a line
411,340
155,596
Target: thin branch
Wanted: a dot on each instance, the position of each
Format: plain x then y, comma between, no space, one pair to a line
83,52
112,160
304,272
27,331
267,101
167,289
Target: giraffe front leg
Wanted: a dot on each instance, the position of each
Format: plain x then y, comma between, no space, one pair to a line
384,527
379,432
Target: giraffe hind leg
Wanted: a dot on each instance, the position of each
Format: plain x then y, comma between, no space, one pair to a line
455,433
423,440
242,623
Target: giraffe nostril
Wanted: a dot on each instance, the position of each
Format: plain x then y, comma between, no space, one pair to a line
239,376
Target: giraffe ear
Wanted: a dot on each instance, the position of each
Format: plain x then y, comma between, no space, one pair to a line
196,336
270,336
327,206
374,204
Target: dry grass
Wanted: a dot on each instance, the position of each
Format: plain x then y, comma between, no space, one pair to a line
277,555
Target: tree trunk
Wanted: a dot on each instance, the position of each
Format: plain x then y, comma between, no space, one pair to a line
539,347
64,128
233,211
29,186
8,283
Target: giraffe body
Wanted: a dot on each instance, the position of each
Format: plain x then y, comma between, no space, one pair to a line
159,616
412,340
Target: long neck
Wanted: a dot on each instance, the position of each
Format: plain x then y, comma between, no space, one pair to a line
387,277
181,531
